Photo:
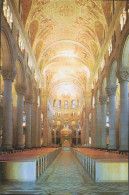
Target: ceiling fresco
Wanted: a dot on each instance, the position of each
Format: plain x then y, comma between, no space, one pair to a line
66,37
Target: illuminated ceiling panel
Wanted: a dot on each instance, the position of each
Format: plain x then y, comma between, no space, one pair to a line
66,39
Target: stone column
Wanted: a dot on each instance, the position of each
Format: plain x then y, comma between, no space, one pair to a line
83,133
98,125
103,101
93,130
8,77
28,100
87,132
39,127
45,129
123,76
76,136
55,136
111,91
49,136
34,124
20,89
14,121
1,122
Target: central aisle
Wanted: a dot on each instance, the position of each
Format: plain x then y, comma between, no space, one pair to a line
65,170
65,176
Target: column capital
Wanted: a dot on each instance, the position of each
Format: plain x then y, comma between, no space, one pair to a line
28,99
20,89
8,73
123,74
103,99
111,90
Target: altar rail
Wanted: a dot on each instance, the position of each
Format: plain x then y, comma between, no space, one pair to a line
103,166
26,166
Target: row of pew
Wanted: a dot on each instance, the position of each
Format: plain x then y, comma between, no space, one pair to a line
103,166
27,165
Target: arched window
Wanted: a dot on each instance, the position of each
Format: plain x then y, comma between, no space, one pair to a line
123,19
110,47
102,64
59,104
107,119
93,102
66,104
7,13
73,104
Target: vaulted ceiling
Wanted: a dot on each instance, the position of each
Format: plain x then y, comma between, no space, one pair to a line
66,38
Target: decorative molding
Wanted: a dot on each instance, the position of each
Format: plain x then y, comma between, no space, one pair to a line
111,90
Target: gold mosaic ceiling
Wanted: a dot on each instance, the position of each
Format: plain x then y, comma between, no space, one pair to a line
66,37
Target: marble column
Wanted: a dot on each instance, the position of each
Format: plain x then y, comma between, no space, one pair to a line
28,100
8,77
111,91
103,101
98,125
20,89
123,76
93,130
34,124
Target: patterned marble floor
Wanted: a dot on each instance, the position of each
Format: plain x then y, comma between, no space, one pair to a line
65,176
